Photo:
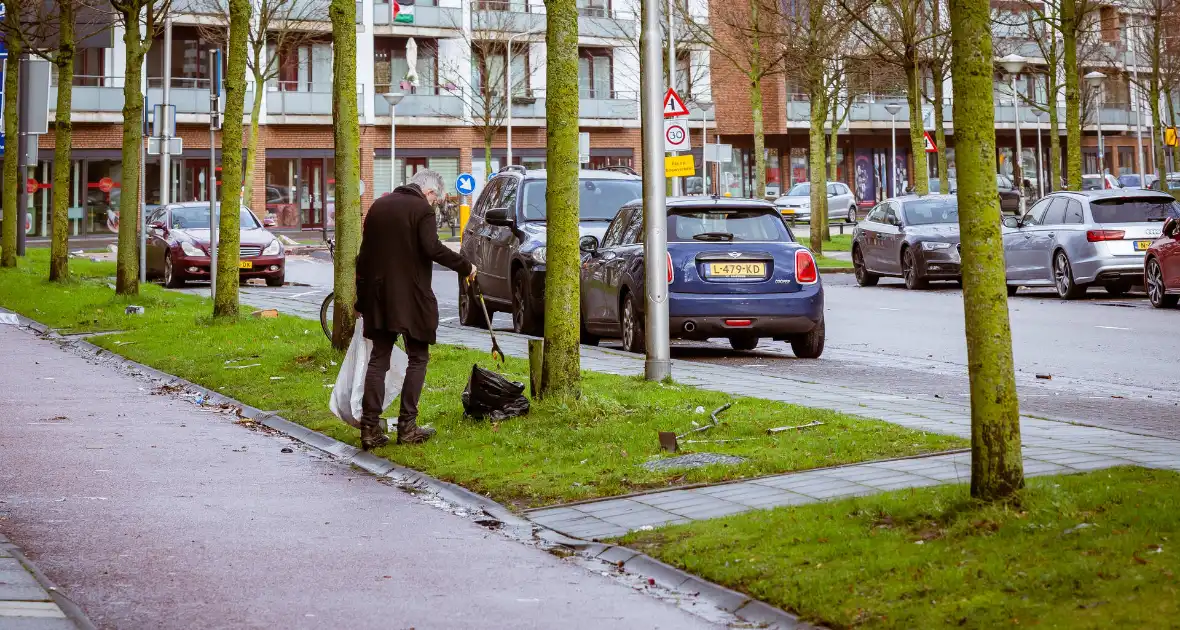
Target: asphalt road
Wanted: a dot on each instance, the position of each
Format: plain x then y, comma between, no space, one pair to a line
152,512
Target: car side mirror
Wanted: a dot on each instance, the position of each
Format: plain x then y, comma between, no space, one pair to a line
159,225
588,244
499,217
1011,222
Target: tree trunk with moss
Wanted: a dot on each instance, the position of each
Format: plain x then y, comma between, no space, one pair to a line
229,225
1053,174
12,214
561,374
1157,148
944,166
997,470
1073,97
63,132
818,179
487,154
347,151
921,173
252,144
127,268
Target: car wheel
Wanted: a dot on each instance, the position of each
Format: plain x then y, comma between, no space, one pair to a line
1012,289
851,218
1118,288
276,281
172,277
1156,291
524,315
745,343
470,313
632,331
1063,278
809,345
909,271
864,277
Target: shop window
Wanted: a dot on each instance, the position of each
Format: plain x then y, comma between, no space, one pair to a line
281,191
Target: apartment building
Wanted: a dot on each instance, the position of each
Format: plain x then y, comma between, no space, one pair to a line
457,48
864,142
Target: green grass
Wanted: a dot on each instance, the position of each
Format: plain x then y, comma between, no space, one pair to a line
839,242
832,263
562,451
932,558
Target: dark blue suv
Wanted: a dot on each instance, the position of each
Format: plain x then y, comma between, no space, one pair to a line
735,271
505,239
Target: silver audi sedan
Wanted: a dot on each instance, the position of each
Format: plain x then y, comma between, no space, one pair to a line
1071,240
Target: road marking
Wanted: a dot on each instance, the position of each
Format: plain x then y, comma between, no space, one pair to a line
299,295
882,308
1112,328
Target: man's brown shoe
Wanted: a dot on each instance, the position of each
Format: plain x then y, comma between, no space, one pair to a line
408,432
373,437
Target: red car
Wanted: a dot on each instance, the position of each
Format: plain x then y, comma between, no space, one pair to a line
1161,265
178,246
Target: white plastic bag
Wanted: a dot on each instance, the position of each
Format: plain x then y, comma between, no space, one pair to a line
346,398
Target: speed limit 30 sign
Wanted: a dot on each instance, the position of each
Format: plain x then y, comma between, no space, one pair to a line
675,136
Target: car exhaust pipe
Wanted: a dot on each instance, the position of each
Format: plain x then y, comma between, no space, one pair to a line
689,327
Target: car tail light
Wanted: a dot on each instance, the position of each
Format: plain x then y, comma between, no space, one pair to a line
669,254
805,270
1104,235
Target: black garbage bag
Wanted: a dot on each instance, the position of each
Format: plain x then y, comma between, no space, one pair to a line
489,396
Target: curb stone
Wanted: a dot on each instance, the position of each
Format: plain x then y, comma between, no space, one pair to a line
72,612
741,606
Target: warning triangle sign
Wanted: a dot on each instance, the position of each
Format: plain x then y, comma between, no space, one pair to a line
930,146
674,105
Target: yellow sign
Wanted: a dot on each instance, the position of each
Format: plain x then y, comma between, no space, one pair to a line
679,166
1170,136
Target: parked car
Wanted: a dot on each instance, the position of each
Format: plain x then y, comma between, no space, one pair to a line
1070,240
915,237
936,186
1009,196
795,206
178,246
1100,182
735,271
1131,180
505,239
1161,264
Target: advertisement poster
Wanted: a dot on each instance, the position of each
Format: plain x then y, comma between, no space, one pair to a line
901,178
865,183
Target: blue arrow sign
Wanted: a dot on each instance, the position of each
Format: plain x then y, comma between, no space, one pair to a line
465,184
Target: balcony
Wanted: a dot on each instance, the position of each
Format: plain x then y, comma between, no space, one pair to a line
606,23
612,105
424,101
283,99
189,95
92,94
511,16
425,16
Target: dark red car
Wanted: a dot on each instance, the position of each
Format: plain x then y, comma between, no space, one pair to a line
1161,265
178,246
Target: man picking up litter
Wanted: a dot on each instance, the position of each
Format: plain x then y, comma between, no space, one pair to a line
393,271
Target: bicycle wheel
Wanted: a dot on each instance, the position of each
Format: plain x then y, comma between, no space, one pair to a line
327,312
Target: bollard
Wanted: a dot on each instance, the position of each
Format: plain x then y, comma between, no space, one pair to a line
464,215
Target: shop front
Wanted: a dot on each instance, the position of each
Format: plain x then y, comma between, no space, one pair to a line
301,188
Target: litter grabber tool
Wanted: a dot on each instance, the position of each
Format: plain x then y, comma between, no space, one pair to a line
497,353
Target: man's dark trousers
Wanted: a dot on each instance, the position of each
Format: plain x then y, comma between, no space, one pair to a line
419,356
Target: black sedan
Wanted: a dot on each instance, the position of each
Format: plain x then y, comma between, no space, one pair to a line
914,237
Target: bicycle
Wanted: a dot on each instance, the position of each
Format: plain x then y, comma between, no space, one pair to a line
328,307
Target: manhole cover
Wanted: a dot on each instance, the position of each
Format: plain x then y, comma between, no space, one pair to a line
695,460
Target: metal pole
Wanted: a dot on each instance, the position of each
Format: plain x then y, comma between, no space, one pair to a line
142,201
655,246
1101,149
214,114
22,145
392,150
672,75
165,158
1040,162
1018,163
891,172
704,155
1138,111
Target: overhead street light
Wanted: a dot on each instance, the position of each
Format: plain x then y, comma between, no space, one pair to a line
1014,64
1095,79
393,98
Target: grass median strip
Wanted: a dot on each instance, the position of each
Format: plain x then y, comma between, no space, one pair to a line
1097,550
563,451
839,242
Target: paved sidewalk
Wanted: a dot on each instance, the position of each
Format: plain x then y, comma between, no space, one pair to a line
152,512
1049,446
24,603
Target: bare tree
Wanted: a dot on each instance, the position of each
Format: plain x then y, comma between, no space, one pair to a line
276,28
12,30
936,55
1152,23
142,20
745,33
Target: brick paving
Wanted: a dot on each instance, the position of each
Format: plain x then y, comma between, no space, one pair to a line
1050,447
24,603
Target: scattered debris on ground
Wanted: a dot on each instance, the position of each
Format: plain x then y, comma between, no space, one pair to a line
801,426
693,460
266,313
1045,377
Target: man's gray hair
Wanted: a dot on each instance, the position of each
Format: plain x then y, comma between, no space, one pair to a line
427,179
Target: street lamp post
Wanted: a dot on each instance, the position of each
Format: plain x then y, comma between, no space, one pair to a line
508,86
393,98
705,108
655,216
1040,163
1013,65
891,172
1094,79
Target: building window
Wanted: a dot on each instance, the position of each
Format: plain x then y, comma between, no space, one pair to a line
306,68
594,8
190,59
487,69
684,76
1108,18
390,67
594,72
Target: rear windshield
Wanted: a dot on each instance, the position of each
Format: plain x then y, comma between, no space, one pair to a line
598,199
930,211
688,225
1133,210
